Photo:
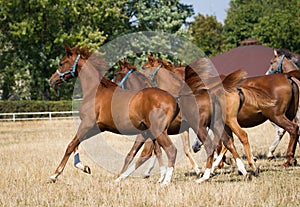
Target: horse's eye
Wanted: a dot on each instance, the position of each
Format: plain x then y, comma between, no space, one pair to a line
60,64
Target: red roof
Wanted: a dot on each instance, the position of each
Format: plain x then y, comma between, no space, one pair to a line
249,41
255,59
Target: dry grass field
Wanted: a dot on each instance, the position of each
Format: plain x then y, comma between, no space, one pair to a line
30,152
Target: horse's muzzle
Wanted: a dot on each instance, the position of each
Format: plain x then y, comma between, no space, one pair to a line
54,81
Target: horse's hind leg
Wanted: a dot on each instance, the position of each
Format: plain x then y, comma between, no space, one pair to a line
187,149
227,140
243,137
165,142
145,155
135,148
292,129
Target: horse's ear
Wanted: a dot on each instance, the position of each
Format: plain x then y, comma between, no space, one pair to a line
125,60
120,63
68,49
150,58
275,53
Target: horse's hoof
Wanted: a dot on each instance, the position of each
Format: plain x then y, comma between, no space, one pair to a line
118,180
221,164
146,176
256,172
52,179
294,162
248,177
195,150
87,169
201,180
229,161
289,163
255,158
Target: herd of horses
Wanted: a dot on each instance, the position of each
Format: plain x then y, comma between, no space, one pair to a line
162,99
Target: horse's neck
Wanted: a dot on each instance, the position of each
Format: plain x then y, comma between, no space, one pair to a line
137,81
168,81
89,80
290,66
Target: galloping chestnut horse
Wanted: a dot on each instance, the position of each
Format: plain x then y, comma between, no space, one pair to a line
254,97
282,64
282,89
128,77
231,103
107,107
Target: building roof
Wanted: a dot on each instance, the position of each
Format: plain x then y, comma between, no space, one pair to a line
249,41
255,59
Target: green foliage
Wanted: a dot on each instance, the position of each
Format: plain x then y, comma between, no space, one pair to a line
157,15
240,20
207,34
32,34
274,23
280,27
34,106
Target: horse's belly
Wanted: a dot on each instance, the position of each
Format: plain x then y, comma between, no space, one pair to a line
250,120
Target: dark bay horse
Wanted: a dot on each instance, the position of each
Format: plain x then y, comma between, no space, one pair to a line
282,63
254,97
107,107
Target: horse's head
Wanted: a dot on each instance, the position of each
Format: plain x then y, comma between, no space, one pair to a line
68,66
280,64
125,68
152,62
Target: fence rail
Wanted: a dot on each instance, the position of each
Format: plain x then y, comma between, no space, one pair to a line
24,116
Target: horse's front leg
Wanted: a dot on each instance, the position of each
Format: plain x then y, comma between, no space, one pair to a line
71,147
85,131
78,164
278,136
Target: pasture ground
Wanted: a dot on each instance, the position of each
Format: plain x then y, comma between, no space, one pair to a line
30,152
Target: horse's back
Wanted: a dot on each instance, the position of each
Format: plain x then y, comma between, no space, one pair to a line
269,82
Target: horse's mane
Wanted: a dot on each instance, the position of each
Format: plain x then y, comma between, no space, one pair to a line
85,52
295,58
107,83
93,57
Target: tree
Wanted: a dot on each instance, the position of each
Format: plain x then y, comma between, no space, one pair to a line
241,18
280,28
34,32
207,34
37,29
157,15
274,23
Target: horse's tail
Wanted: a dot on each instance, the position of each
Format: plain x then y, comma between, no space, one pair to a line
234,80
257,97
